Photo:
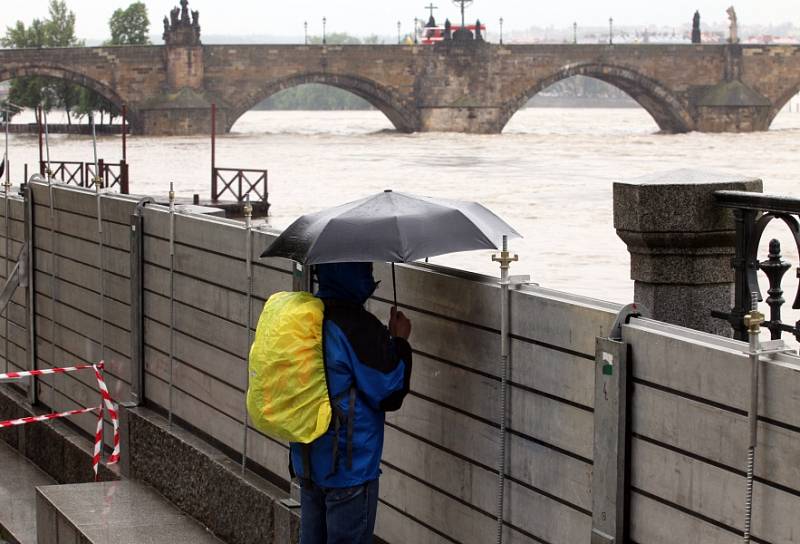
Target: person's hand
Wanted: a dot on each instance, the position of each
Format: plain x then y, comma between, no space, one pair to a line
399,324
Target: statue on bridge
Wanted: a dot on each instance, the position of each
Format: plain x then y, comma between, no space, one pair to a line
696,28
185,11
180,29
734,29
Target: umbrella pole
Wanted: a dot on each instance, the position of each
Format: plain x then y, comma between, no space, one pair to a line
505,259
394,286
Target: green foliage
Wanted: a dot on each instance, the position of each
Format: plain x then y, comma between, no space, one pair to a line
130,26
313,96
335,38
58,30
90,101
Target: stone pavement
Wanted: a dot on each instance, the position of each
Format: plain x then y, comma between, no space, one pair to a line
18,481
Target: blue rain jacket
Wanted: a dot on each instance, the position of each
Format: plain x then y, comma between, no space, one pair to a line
360,355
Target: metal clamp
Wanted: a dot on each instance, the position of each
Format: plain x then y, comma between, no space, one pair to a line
624,317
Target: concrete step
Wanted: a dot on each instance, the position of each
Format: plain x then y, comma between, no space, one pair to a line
122,512
18,481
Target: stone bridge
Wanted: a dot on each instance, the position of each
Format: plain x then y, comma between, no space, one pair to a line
470,87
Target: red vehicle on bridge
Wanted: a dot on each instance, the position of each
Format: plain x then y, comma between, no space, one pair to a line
435,34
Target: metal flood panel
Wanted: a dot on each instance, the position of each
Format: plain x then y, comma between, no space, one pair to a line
67,310
441,447
690,436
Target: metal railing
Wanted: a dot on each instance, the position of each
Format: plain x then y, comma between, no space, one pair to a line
753,212
69,172
114,174
239,183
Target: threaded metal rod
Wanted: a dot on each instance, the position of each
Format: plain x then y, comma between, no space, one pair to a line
248,216
753,322
748,496
505,260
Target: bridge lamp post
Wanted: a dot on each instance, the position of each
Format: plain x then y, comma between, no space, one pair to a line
610,30
416,29
324,30
575,32
501,31
305,31
399,38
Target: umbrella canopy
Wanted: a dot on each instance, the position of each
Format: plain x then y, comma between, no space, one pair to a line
390,227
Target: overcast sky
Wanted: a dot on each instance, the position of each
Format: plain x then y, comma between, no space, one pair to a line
364,17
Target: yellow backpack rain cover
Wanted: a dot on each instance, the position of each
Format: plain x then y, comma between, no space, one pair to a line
287,397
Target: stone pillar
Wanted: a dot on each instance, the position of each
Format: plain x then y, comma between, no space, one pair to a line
681,245
185,67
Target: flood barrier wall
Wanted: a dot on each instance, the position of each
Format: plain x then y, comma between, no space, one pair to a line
688,429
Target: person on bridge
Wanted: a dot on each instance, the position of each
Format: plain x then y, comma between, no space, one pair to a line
368,369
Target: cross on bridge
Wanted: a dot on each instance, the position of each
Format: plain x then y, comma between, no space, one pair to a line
464,4
431,7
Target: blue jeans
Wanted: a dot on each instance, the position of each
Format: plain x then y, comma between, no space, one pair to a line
338,516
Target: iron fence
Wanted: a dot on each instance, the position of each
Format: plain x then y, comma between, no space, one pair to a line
82,174
239,183
753,212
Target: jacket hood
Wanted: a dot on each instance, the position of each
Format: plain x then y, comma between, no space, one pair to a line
346,281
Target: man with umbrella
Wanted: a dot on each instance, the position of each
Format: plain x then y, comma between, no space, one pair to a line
368,366
368,369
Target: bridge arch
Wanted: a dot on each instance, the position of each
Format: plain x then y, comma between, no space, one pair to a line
781,102
403,117
58,72
660,103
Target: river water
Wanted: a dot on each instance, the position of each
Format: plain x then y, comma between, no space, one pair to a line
549,174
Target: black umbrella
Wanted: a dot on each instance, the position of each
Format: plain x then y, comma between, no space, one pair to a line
391,227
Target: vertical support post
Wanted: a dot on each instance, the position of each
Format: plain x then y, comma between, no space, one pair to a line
102,173
248,245
137,303
49,171
171,297
7,259
39,129
124,182
30,293
214,152
505,259
611,444
302,278
124,133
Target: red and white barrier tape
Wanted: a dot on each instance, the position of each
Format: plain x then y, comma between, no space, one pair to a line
112,412
105,401
46,417
45,371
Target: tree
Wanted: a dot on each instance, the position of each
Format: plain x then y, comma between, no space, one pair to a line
60,26
58,30
130,26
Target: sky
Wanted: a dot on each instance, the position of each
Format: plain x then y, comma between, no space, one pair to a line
365,17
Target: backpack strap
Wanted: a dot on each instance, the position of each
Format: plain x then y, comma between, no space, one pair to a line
351,413
338,418
305,453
